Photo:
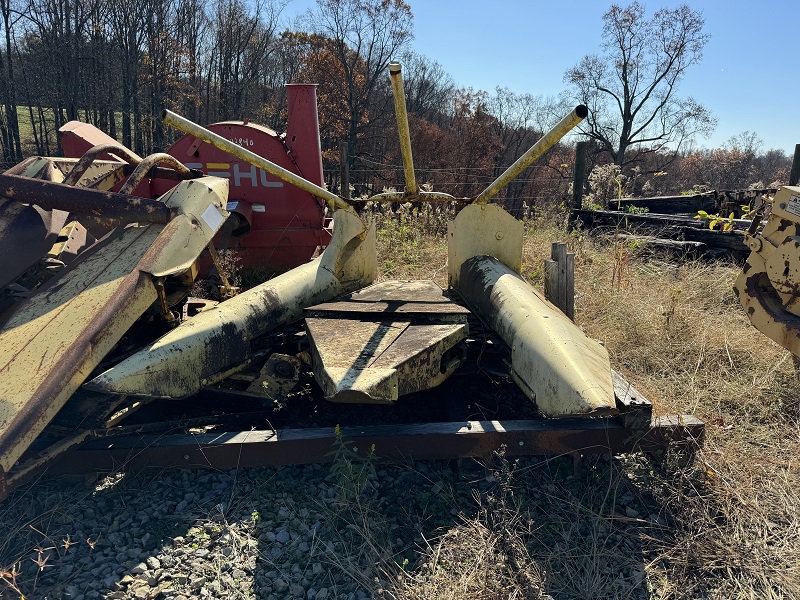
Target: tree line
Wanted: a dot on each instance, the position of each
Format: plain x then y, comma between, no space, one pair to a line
117,63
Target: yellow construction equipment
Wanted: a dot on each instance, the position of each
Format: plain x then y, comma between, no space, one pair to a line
769,285
366,345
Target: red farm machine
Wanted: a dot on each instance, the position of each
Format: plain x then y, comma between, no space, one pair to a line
105,366
273,226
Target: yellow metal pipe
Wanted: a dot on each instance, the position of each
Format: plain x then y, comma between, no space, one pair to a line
549,140
395,72
217,340
186,126
555,364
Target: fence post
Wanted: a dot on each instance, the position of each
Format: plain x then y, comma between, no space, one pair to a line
794,177
559,279
578,181
579,176
344,170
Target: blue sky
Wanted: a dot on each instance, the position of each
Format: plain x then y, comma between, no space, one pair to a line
749,76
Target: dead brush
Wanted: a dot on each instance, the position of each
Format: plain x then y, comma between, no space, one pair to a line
411,239
681,334
33,540
230,265
731,525
362,551
484,556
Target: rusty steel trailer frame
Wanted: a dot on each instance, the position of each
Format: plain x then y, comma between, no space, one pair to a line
138,447
426,441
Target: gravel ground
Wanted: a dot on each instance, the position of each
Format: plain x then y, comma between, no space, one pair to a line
266,533
347,531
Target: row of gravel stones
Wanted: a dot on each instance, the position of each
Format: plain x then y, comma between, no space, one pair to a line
286,533
262,533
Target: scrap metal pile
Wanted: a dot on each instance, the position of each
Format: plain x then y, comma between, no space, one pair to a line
96,329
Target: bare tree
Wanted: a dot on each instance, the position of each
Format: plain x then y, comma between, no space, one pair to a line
631,88
429,89
127,20
363,37
9,123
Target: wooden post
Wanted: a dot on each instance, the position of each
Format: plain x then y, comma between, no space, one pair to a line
794,177
559,280
344,169
579,175
578,181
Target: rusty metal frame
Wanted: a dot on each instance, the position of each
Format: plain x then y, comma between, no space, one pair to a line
109,207
155,445
426,441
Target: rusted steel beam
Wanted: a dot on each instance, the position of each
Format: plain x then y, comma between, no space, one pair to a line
465,439
93,153
143,168
177,171
108,206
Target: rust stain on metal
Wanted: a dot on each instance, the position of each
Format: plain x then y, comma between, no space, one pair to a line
105,205
143,168
769,285
553,361
59,335
188,358
384,342
26,234
424,441
92,154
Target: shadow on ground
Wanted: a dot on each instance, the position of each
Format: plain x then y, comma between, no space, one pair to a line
357,528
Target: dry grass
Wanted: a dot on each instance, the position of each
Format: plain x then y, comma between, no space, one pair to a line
727,526
411,241
482,556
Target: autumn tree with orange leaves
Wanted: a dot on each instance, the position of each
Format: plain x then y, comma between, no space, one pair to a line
356,40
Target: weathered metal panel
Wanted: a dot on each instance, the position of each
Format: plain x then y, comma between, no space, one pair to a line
218,340
553,361
83,201
394,297
200,208
385,341
483,230
769,284
58,336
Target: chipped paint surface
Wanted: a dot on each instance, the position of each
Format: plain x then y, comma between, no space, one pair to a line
483,230
553,361
769,285
54,340
565,372
377,361
388,340
58,336
218,339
